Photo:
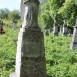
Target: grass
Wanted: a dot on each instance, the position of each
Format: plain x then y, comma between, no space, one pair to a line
60,60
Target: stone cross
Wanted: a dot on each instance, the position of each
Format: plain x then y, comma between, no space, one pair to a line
73,44
65,29
55,29
30,56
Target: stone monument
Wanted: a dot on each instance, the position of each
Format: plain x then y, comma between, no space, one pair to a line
61,29
46,32
73,44
55,29
15,24
30,56
65,29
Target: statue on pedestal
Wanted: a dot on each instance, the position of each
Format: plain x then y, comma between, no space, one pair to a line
30,55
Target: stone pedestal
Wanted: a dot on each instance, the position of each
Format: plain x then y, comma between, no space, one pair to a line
30,58
61,29
65,31
55,30
73,44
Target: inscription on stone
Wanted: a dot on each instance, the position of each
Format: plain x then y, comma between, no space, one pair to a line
32,49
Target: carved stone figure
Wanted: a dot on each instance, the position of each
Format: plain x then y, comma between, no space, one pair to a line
29,13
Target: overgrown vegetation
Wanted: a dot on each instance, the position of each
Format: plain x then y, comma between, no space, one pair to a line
62,8
7,14
8,49
60,60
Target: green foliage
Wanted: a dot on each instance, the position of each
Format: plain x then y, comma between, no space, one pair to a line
6,14
45,18
14,15
8,43
61,8
69,11
54,5
60,60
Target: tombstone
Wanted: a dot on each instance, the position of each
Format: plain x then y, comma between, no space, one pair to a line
73,44
55,29
70,30
30,56
65,29
61,29
46,32
15,24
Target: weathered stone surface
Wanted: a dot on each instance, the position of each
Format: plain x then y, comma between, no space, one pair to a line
12,75
15,24
55,29
30,59
34,67
73,44
30,56
61,29
46,32
33,43
65,29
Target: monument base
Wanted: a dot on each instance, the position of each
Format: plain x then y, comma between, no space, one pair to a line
30,57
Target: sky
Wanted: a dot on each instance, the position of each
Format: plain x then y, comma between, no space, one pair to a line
10,4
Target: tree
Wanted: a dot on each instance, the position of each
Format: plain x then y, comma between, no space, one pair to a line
4,13
69,10
14,15
61,8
